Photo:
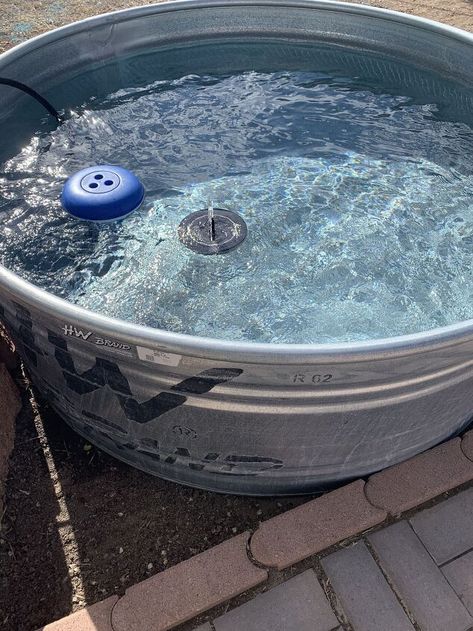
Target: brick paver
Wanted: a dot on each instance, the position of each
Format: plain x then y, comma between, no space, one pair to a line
314,526
93,618
446,530
459,574
420,479
187,589
365,596
418,581
297,605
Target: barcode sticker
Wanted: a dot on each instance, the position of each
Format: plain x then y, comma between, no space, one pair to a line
158,357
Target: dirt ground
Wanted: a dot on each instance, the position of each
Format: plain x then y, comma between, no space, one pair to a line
78,525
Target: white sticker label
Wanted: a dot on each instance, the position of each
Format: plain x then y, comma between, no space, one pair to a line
158,357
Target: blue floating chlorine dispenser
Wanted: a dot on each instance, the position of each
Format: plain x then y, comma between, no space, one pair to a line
102,193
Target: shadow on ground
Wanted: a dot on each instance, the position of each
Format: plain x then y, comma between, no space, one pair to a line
33,570
80,526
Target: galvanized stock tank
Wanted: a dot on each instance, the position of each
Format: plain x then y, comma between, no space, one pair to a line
231,416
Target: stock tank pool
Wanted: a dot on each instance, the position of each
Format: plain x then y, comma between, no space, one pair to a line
335,338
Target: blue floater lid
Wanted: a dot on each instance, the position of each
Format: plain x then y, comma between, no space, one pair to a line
102,193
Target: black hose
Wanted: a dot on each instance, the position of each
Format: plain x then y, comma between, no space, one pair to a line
46,104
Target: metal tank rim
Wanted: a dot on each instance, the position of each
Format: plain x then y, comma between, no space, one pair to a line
229,350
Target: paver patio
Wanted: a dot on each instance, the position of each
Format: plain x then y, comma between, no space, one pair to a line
336,562
387,580
414,574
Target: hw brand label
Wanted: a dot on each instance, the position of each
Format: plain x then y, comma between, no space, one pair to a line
89,336
70,330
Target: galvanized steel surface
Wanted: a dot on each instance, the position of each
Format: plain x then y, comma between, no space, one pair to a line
232,416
